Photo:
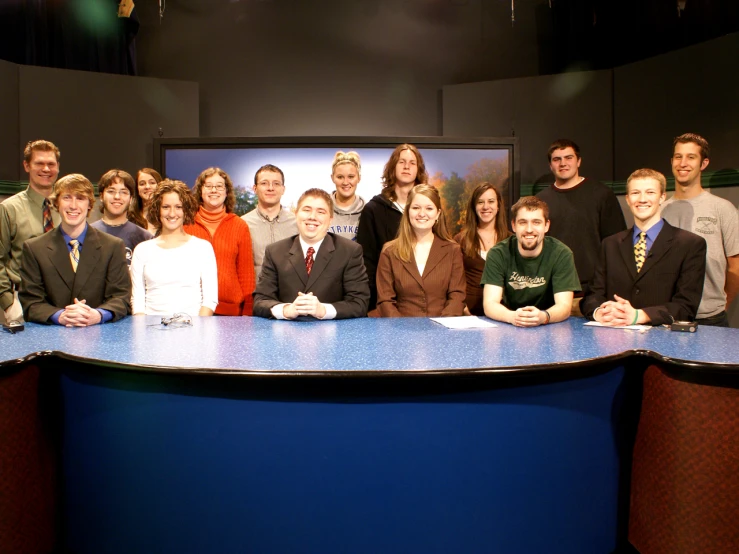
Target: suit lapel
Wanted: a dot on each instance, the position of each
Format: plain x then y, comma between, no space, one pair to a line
660,247
59,257
298,261
412,268
437,253
322,258
627,253
89,258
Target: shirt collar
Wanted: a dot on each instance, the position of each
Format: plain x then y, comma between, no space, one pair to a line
652,232
80,239
304,245
267,219
35,197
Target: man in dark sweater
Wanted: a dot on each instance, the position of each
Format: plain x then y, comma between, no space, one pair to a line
582,211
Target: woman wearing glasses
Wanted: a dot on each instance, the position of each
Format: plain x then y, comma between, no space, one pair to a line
230,237
174,272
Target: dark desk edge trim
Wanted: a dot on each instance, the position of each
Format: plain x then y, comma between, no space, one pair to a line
699,366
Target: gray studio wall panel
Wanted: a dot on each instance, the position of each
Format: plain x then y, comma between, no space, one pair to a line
101,121
539,110
331,67
695,90
9,121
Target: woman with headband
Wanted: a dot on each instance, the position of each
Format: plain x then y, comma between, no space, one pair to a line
346,171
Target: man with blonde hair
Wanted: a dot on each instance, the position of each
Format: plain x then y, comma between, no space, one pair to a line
651,274
75,275
23,216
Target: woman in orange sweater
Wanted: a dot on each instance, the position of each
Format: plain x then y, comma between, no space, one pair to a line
231,240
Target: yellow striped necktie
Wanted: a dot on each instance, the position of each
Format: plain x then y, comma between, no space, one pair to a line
640,251
74,254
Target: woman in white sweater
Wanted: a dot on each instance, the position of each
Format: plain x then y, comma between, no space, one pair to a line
174,272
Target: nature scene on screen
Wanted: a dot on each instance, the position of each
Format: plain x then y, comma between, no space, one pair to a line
454,171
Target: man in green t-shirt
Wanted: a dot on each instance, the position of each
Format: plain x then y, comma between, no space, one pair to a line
529,278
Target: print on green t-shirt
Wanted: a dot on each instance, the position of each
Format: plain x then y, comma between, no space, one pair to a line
530,281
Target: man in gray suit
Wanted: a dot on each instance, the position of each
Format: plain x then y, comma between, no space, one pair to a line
74,275
313,274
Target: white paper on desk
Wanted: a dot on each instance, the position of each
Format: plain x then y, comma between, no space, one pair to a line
464,322
631,327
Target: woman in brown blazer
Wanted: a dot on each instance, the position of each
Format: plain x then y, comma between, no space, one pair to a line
485,225
421,273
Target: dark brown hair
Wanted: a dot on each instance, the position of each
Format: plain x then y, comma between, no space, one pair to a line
696,139
109,178
531,203
471,241
561,144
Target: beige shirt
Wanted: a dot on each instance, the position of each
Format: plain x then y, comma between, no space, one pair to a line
21,218
265,231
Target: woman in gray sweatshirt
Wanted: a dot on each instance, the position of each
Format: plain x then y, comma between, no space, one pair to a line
345,173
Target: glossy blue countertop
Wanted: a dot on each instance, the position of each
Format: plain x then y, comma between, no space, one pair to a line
255,345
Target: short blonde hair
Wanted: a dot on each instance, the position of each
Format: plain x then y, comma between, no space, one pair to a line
74,183
646,173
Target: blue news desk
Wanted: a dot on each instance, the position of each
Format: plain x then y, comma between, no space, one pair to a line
368,435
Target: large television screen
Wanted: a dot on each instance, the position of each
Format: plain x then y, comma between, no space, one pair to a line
454,165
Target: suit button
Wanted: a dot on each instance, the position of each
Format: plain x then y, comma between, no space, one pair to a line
636,291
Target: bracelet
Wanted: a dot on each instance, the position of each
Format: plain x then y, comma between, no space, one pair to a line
546,312
636,316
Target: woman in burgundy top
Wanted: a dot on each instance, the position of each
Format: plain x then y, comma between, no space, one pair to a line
484,226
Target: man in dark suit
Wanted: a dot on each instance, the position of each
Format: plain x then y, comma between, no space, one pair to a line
315,273
651,274
74,275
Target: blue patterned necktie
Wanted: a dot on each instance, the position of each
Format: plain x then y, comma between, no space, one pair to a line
640,251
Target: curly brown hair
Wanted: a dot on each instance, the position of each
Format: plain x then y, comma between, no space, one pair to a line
189,204
388,173
197,190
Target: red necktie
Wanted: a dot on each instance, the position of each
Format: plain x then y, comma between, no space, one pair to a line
48,223
309,260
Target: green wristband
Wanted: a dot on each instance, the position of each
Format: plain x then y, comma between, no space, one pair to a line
636,316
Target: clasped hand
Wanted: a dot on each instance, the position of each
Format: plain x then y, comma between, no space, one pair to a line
304,304
79,314
616,313
529,316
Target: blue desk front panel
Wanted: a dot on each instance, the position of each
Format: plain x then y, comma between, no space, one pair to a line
153,465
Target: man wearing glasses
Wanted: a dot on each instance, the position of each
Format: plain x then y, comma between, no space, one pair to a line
116,190
269,221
